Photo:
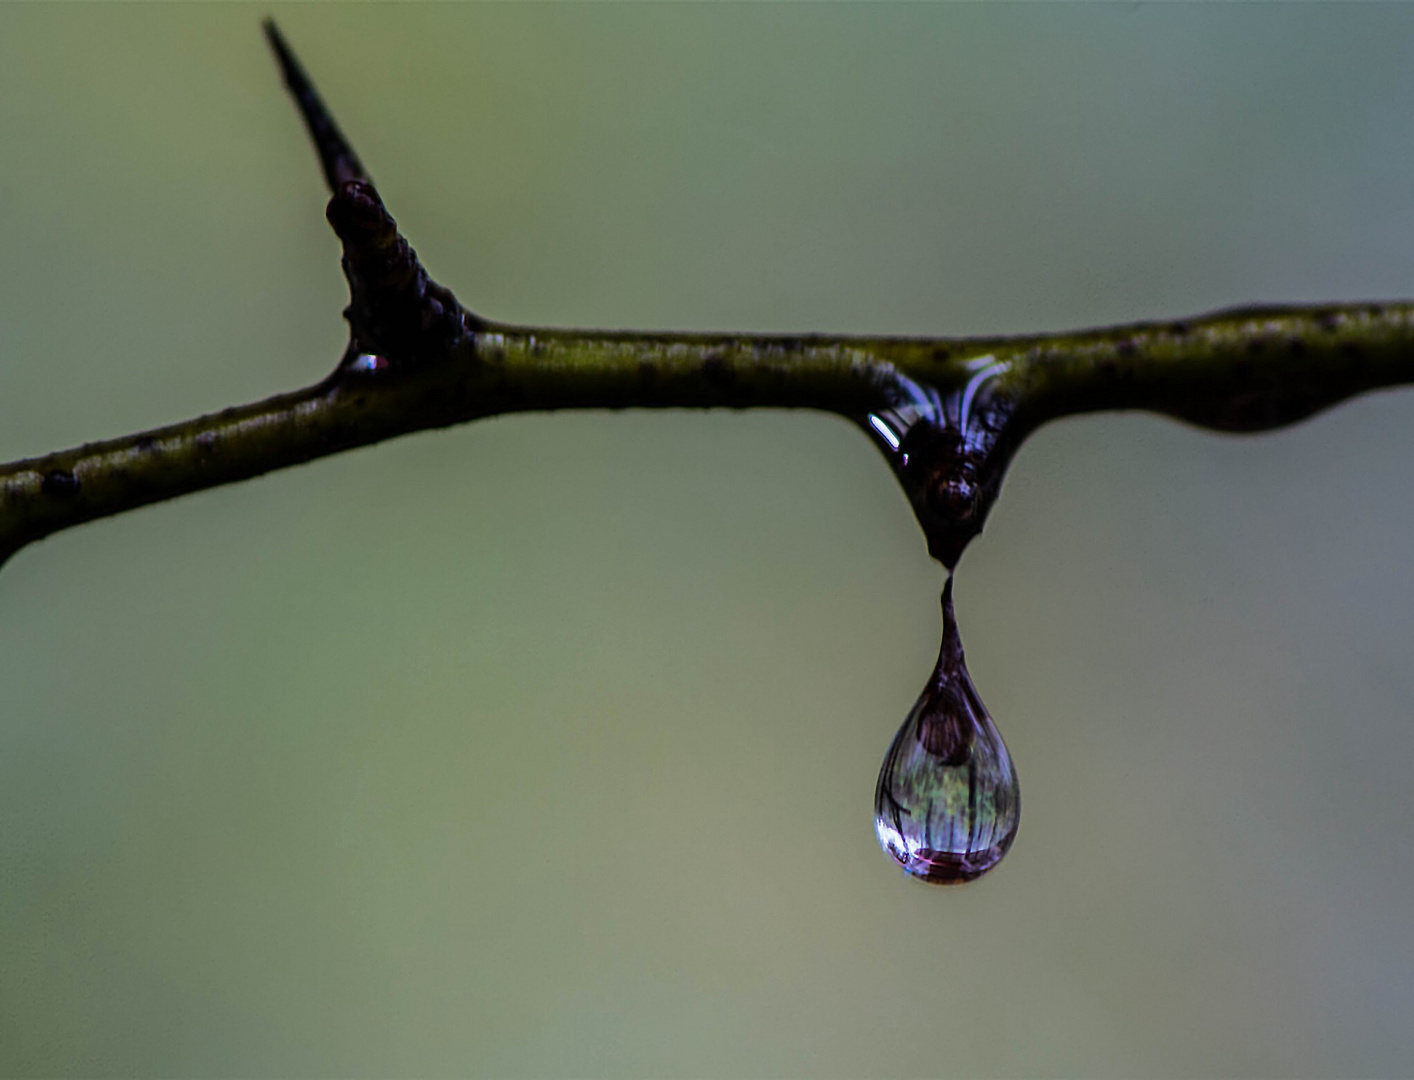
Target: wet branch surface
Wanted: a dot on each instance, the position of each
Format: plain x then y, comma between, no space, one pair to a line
948,413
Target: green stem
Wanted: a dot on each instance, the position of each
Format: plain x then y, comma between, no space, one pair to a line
1237,371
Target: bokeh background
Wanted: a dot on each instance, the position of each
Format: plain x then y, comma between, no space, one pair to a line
547,746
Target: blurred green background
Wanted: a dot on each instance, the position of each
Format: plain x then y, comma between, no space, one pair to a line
546,746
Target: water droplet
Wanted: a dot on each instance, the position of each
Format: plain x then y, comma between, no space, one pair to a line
948,802
947,451
366,363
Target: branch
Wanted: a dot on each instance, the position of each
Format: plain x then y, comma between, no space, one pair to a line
948,413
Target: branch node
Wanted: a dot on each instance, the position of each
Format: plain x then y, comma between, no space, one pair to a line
395,309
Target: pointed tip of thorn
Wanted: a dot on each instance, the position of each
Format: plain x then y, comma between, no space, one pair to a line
273,37
290,67
336,157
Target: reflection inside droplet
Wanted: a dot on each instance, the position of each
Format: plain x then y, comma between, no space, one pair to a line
947,804
886,432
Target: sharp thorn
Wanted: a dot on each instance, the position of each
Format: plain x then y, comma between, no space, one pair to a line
336,157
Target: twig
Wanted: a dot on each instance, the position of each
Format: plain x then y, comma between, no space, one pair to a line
948,412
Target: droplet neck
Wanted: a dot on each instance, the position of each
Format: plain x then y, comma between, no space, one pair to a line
943,731
948,451
950,658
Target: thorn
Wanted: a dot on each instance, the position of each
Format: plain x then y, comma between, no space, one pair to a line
336,157
395,309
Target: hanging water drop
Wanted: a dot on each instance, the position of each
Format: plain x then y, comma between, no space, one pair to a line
948,803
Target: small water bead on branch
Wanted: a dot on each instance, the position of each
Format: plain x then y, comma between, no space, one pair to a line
948,803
